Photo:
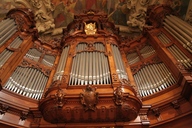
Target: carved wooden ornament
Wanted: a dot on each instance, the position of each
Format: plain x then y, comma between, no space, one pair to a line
89,98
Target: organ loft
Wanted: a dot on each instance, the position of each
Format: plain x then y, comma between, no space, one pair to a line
93,77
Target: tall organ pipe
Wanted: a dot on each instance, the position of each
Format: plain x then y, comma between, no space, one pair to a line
119,63
61,65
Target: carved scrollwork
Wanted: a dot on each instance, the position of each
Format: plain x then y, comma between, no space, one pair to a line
89,98
125,82
28,63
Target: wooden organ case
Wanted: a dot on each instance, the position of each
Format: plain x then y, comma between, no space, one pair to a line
92,82
94,77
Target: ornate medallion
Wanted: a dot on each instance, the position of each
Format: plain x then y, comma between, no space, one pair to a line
89,98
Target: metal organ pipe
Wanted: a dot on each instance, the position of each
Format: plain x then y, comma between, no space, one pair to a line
180,30
180,56
133,58
176,28
181,24
153,78
4,56
119,63
24,81
163,38
48,60
61,65
7,29
90,67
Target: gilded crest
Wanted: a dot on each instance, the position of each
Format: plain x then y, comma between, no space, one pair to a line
90,29
89,98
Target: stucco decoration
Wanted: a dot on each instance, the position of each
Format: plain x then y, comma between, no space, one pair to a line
43,13
137,19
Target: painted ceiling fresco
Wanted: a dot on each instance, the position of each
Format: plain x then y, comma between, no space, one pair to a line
53,14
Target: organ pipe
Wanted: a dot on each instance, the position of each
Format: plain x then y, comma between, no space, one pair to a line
163,38
90,68
33,54
48,60
180,56
180,30
153,78
6,54
7,28
133,58
27,82
61,65
147,51
119,63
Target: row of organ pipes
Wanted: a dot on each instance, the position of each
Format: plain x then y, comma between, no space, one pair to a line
120,68
29,82
60,68
90,67
182,32
150,78
7,28
179,29
35,55
146,51
90,64
4,56
153,78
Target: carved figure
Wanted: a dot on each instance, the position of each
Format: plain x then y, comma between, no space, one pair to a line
89,98
118,96
90,29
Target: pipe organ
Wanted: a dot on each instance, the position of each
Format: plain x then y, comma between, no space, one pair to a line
93,76
90,60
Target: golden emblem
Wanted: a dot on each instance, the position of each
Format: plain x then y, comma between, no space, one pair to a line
90,29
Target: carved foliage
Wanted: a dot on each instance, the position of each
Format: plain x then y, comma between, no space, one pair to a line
89,98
